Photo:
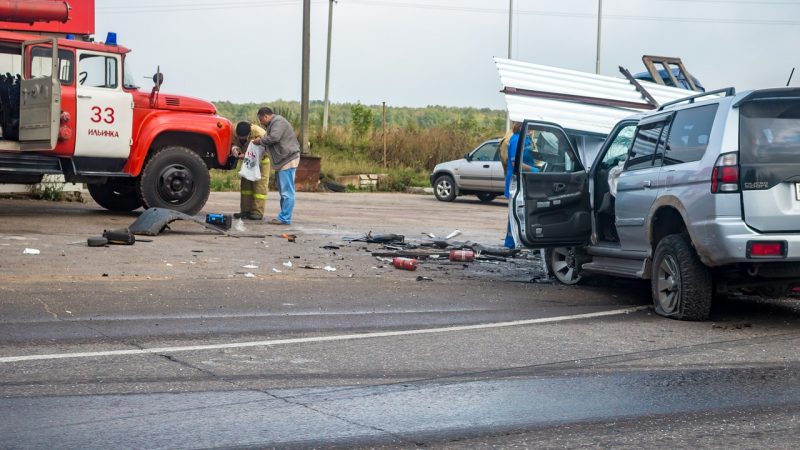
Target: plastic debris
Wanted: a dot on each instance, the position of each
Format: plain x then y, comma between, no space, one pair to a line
249,275
238,225
31,251
329,268
250,266
289,237
453,234
276,270
287,264
421,278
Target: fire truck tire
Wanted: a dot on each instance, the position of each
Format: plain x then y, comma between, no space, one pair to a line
116,195
175,178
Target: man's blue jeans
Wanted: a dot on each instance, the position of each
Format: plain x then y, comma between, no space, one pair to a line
285,181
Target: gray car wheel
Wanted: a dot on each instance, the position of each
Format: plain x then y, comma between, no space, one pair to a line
444,188
681,285
486,197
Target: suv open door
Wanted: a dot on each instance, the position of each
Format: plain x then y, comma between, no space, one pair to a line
550,191
40,97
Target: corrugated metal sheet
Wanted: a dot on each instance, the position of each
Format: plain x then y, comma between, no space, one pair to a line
574,114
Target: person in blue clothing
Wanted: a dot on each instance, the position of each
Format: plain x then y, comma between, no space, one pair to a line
526,165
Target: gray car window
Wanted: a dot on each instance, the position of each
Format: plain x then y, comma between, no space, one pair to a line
688,136
486,152
643,150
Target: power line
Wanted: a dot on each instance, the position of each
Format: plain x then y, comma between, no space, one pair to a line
578,15
739,2
186,7
183,7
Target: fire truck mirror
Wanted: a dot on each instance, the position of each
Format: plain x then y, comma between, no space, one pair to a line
158,79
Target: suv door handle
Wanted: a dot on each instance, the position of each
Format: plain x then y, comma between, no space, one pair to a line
485,166
84,96
646,183
558,187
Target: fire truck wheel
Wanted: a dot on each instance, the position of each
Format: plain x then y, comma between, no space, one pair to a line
175,178
116,195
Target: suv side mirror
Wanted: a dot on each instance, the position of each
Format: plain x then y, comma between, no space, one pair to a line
467,157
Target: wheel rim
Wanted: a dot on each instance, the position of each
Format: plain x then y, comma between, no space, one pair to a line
668,284
176,184
564,265
444,188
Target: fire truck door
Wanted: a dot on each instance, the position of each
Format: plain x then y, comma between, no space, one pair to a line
40,96
104,111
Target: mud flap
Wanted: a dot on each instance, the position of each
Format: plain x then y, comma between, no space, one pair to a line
154,220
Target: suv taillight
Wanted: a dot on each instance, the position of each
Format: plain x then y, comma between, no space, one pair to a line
725,176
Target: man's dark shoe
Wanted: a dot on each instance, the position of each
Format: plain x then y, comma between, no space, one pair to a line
241,215
255,216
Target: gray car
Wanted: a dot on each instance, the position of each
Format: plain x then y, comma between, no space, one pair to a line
478,173
707,200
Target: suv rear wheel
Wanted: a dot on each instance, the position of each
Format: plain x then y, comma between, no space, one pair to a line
680,283
444,188
175,178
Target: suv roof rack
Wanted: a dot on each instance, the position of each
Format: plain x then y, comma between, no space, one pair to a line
727,91
772,93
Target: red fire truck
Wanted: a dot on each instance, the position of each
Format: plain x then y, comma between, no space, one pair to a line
69,105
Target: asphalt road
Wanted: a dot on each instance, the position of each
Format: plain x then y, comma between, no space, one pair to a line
169,344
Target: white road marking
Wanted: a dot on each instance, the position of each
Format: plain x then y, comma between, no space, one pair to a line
341,337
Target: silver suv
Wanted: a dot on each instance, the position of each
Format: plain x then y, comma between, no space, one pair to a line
479,173
707,200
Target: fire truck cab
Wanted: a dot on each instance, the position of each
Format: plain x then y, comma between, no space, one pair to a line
72,106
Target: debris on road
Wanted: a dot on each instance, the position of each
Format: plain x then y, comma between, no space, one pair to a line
378,238
329,268
250,266
223,221
155,220
421,278
462,255
31,251
119,237
405,263
96,241
287,264
289,237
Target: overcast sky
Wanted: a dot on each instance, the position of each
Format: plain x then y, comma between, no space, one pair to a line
439,52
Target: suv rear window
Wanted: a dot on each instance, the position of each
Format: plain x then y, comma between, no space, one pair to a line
769,131
689,133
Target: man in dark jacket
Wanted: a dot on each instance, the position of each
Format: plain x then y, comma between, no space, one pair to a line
284,153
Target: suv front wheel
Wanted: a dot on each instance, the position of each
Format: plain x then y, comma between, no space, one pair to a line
565,264
680,283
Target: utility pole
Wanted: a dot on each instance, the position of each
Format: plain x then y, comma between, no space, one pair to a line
306,57
384,135
327,69
510,26
599,20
